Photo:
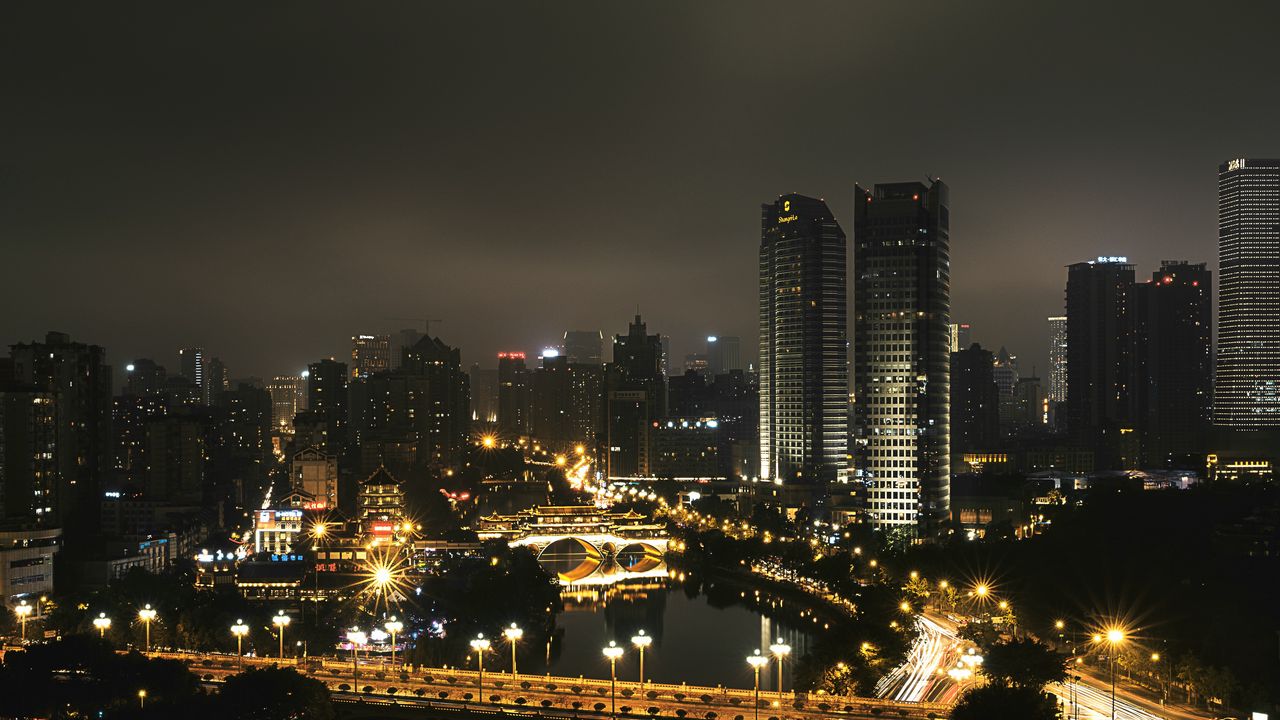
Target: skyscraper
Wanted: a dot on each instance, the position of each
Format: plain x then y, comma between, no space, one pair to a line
961,336
901,353
1173,340
635,393
1247,387
1006,375
584,347
975,401
1058,359
513,394
723,354
327,400
484,394
193,364
804,375
1100,370
288,398
370,354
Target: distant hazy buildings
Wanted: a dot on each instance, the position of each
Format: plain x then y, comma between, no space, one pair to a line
804,381
583,347
370,354
1247,390
901,353
484,394
723,354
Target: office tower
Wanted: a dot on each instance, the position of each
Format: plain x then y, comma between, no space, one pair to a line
401,341
804,379
370,354
1100,369
130,415
80,380
484,394
193,365
444,420
217,380
1057,359
1246,393
242,447
566,403
961,336
975,401
144,377
723,354
584,347
327,400
315,473
288,395
1173,338
902,365
29,472
1006,376
735,404
513,394
635,393
175,459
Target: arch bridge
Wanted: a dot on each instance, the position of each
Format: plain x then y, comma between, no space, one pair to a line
585,544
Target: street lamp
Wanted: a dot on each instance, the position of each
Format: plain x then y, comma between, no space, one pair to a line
239,630
142,699
357,638
23,611
481,646
780,650
281,621
1114,636
393,626
757,661
146,615
513,635
102,622
613,652
641,642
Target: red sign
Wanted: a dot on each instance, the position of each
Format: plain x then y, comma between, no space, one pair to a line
383,528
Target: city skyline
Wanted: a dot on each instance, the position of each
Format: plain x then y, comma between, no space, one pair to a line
151,212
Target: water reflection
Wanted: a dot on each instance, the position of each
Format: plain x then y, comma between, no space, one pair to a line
702,631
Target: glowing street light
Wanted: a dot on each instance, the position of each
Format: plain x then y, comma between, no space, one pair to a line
102,622
513,635
239,630
393,626
613,652
146,615
356,637
489,441
641,642
23,611
481,646
780,650
757,661
281,621
142,699
1114,637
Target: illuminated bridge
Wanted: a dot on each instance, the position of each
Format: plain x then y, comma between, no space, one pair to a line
584,544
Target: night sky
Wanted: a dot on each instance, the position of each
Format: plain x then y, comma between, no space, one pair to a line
267,181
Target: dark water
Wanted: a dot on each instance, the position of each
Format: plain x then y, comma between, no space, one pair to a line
702,633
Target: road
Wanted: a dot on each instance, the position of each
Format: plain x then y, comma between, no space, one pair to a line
1093,694
924,677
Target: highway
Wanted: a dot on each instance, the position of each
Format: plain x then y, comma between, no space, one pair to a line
926,676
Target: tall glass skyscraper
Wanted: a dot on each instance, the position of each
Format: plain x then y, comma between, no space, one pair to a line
902,364
1247,386
804,375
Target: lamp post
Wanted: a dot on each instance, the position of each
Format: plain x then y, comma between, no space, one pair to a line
481,646
757,661
146,615
394,627
613,652
641,641
239,630
1114,637
281,621
356,638
23,611
513,635
102,622
142,699
780,650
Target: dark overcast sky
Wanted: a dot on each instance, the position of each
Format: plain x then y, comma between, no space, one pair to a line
267,179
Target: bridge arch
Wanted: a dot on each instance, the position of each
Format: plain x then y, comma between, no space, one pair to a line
571,558
639,557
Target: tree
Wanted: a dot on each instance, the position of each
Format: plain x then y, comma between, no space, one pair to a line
273,693
997,701
1023,664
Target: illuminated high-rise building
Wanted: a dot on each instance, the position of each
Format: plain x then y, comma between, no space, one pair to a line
1058,359
804,376
327,400
902,363
961,336
1100,363
1246,392
288,398
369,354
